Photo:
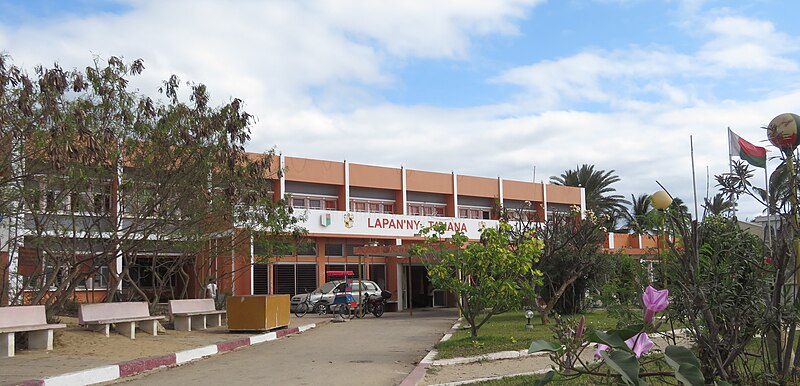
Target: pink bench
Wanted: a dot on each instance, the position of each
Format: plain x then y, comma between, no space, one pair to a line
124,316
30,319
194,314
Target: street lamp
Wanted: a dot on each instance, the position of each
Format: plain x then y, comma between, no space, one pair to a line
529,316
661,200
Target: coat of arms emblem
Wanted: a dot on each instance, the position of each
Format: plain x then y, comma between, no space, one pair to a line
348,220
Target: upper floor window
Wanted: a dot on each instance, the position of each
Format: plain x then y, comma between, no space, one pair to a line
372,206
433,210
475,213
307,202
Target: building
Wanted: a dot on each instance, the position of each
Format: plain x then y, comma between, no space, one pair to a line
354,214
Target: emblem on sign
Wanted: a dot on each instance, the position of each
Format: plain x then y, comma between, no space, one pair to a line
348,220
325,219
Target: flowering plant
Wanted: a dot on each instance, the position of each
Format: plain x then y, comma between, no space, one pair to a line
622,352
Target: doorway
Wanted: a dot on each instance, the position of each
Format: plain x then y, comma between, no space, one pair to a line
421,291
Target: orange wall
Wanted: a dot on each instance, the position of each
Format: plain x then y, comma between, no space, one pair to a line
478,186
375,177
430,182
518,190
563,194
315,171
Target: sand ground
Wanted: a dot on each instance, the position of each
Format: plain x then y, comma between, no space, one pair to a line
76,348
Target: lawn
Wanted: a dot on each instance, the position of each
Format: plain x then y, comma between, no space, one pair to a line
506,332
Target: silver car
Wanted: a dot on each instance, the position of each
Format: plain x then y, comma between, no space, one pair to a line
326,292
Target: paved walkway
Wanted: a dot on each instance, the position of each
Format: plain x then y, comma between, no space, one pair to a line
369,351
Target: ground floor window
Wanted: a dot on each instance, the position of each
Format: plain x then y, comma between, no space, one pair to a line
260,279
293,279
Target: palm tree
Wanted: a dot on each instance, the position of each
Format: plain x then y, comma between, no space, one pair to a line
718,205
636,217
597,184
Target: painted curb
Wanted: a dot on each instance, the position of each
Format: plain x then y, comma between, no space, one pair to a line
416,375
476,380
141,365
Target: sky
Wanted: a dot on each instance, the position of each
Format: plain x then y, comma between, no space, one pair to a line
518,89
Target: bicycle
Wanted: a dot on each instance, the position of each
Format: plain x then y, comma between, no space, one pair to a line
303,308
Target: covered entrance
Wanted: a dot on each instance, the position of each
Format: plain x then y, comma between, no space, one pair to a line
407,279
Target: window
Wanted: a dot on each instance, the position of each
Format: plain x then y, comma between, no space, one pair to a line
433,210
372,206
475,213
333,250
98,280
327,203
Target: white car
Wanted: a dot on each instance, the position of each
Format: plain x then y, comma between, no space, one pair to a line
324,295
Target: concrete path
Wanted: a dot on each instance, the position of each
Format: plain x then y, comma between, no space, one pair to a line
369,351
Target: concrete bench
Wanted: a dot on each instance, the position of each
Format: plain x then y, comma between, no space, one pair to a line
194,314
124,316
29,319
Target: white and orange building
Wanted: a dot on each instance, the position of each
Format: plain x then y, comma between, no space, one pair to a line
369,214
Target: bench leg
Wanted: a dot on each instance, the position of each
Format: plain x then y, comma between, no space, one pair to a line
149,326
214,320
7,344
199,322
40,340
104,329
126,328
183,323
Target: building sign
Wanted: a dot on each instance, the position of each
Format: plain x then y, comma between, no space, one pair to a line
385,225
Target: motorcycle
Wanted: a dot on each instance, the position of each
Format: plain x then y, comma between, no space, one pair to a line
375,304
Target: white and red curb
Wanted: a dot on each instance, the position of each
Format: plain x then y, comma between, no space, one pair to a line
138,366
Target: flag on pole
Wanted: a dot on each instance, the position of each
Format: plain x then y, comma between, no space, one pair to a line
754,155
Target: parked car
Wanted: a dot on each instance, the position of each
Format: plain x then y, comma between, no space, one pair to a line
326,292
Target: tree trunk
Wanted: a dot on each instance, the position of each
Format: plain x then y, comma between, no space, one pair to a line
544,317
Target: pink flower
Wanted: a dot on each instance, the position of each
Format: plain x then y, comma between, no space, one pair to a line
581,327
600,348
654,301
639,344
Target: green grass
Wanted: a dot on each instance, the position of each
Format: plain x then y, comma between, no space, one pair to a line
506,332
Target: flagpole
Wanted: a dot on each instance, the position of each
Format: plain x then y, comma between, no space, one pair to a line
730,166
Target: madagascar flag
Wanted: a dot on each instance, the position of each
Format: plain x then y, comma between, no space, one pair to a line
755,155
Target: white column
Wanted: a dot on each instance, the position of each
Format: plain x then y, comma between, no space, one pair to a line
252,266
610,240
282,165
346,186
455,194
544,198
399,270
118,220
405,196
583,202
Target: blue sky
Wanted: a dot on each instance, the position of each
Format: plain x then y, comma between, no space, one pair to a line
474,87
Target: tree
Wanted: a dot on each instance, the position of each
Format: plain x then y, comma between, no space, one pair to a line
718,205
637,218
484,275
600,197
101,174
571,258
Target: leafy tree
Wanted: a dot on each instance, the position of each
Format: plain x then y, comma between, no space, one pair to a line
600,197
719,295
571,259
484,275
98,173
